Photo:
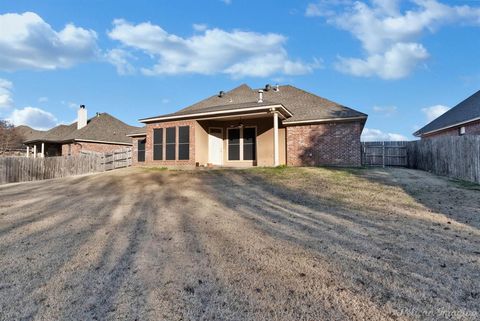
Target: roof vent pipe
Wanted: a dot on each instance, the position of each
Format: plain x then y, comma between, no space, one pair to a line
268,87
221,93
277,88
260,96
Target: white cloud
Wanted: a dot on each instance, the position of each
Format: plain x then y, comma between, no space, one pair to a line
200,27
42,99
28,42
227,2
389,36
6,100
397,62
237,53
70,104
165,101
120,59
385,110
435,111
34,117
370,134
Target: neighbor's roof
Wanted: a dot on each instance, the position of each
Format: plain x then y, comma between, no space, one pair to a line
303,105
101,128
26,132
466,111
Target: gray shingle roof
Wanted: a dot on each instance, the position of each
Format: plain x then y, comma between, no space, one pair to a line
138,131
303,105
468,109
102,127
27,133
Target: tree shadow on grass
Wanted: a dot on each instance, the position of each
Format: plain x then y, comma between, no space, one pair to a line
396,260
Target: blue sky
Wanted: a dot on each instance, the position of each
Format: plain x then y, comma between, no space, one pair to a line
401,62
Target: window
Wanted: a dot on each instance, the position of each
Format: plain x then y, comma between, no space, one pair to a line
242,144
170,143
234,144
249,143
158,144
184,143
141,150
461,131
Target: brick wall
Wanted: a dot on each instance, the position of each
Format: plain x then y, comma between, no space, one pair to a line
149,144
335,144
135,150
472,128
76,147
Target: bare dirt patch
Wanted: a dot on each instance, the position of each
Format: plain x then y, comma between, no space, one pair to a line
261,244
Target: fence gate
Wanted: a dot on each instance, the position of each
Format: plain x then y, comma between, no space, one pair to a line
117,159
384,153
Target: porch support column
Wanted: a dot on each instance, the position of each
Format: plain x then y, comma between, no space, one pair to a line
28,151
35,151
276,160
43,150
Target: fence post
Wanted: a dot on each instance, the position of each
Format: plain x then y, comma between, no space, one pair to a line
383,154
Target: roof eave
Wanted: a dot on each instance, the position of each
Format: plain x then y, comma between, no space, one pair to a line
221,112
419,133
136,135
325,120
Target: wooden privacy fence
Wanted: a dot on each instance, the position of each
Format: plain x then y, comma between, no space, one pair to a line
21,169
456,156
384,153
117,159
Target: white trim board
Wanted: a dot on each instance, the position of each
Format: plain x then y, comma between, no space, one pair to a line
229,111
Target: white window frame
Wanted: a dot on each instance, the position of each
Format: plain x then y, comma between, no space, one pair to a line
241,143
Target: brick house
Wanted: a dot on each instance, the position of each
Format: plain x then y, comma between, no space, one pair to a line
463,119
280,125
101,133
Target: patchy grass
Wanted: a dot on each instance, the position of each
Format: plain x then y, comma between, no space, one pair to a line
259,244
154,169
354,188
466,184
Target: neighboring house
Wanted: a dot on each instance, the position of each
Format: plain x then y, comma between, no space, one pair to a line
101,133
463,119
246,127
11,138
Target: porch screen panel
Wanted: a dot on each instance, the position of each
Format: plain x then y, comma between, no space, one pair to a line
170,143
141,150
158,144
184,142
249,144
234,144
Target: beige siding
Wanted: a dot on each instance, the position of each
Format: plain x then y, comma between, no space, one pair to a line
264,128
201,144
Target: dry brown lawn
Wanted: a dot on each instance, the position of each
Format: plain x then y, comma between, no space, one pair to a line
259,244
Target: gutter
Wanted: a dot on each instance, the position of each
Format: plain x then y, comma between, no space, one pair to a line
325,120
74,140
229,111
136,135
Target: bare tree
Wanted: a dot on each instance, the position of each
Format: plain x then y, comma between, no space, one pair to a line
10,139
